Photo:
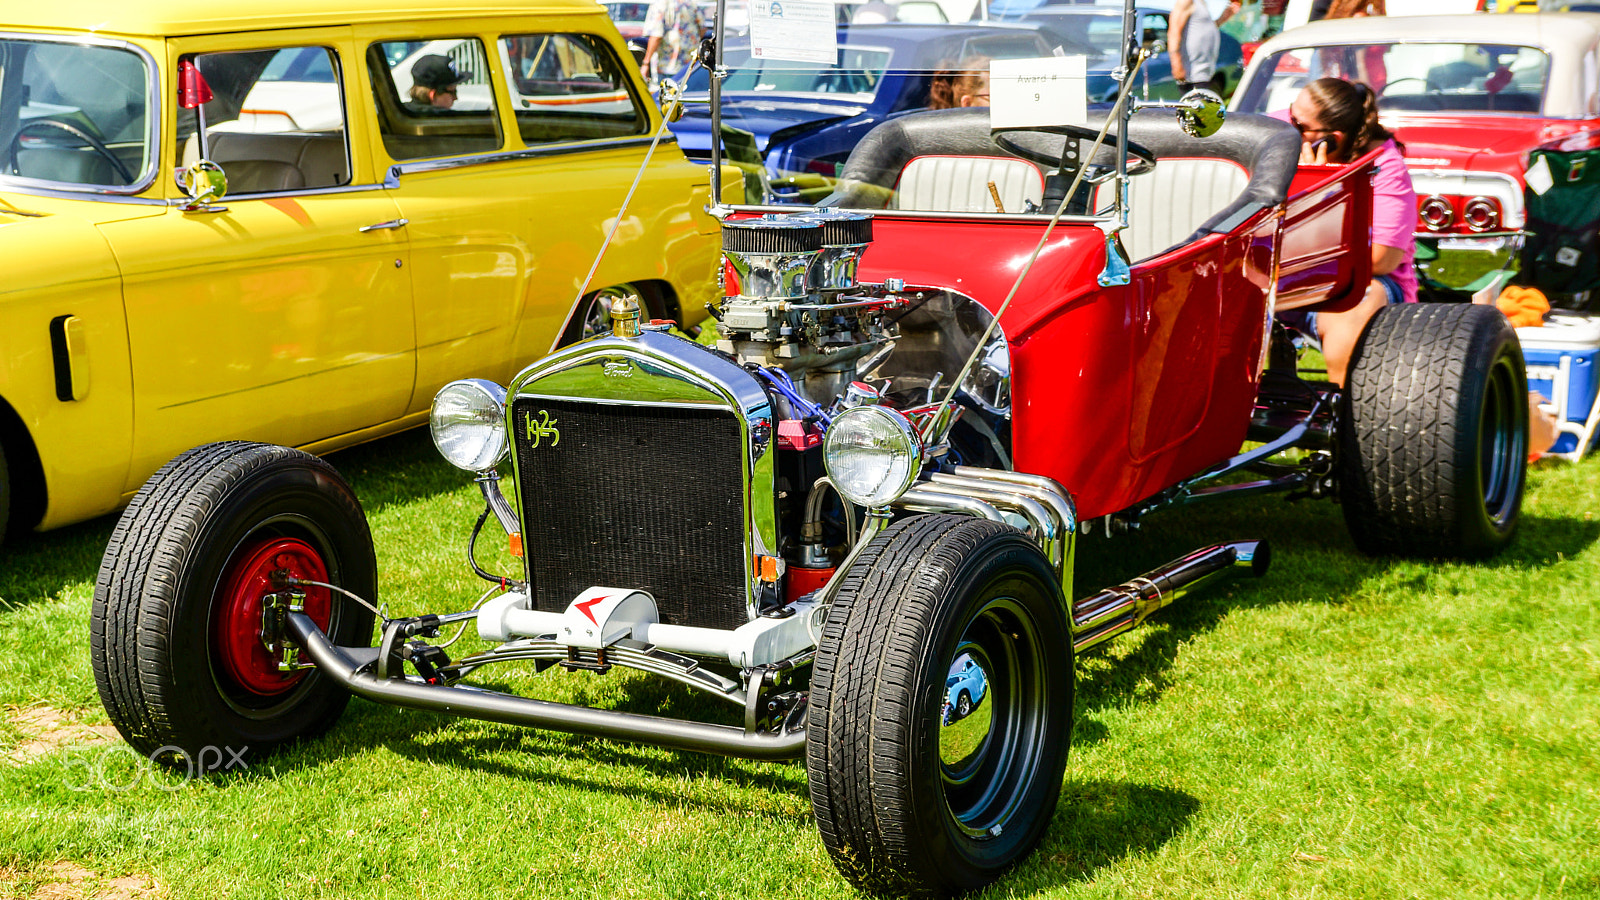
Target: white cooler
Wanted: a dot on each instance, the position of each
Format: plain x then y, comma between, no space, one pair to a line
1562,365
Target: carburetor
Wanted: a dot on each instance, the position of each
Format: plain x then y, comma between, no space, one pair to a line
799,306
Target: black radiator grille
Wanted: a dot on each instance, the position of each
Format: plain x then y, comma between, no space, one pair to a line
646,497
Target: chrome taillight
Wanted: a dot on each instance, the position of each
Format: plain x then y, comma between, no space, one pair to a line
1436,213
1481,214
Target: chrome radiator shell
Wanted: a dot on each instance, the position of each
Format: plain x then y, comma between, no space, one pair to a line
656,374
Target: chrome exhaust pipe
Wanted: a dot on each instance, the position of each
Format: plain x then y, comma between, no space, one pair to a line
722,740
1112,611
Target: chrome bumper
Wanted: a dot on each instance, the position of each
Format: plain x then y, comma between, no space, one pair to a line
1460,262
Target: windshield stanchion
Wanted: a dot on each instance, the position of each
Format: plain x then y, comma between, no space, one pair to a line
715,69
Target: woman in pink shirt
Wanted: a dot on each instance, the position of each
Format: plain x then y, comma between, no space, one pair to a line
1338,122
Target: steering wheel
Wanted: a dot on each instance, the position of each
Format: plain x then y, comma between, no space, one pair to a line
1058,182
75,131
1145,160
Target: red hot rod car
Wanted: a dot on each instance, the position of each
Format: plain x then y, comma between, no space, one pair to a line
915,405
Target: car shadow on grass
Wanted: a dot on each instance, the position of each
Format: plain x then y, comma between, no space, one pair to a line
397,470
36,566
1097,823
394,470
1314,561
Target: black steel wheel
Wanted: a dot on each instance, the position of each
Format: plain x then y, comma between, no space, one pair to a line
910,798
175,630
1433,436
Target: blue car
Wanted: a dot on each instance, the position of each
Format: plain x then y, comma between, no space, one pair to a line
964,689
803,120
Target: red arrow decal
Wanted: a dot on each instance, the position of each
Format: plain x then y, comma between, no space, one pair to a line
585,605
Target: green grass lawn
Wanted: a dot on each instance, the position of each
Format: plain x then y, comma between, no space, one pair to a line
1345,727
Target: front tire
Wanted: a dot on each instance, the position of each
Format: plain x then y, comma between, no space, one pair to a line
906,804
175,625
1433,435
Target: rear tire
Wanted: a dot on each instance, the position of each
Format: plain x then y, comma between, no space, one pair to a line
175,625
906,804
1433,435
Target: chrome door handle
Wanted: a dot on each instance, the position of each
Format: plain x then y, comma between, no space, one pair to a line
382,226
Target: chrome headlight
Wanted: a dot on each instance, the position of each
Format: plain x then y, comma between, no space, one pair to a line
873,455
468,423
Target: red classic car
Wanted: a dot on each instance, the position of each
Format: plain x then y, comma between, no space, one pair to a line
986,343
1470,96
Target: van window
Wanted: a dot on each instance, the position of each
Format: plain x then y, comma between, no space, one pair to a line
569,87
275,121
437,100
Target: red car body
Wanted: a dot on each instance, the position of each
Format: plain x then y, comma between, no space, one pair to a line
1121,392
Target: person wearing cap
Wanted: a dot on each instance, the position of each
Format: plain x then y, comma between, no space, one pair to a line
433,84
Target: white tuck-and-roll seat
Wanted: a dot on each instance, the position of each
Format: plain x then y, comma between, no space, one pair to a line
945,161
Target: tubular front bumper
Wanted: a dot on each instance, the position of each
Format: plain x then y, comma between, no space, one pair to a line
356,670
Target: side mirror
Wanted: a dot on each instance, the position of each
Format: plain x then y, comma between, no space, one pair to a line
1200,113
671,100
205,183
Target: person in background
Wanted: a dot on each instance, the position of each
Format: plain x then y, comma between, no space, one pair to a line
963,85
672,29
1195,40
1338,122
434,82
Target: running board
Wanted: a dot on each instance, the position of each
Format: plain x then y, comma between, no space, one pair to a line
1111,612
339,664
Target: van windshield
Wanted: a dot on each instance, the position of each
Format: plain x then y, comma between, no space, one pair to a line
1411,77
74,114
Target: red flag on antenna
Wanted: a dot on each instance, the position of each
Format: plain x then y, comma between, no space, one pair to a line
192,88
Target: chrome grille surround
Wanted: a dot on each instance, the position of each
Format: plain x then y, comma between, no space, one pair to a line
662,372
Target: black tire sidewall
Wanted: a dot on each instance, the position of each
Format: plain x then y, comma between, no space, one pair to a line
878,700
1010,567
1422,373
155,663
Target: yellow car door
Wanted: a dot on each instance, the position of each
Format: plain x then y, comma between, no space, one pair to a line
283,311
509,150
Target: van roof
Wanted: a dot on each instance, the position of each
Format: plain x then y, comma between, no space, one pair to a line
161,18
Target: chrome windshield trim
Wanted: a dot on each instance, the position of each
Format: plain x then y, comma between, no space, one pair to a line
10,184
152,113
392,178
1034,218
303,192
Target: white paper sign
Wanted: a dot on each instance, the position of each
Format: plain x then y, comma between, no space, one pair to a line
1029,92
1539,178
798,30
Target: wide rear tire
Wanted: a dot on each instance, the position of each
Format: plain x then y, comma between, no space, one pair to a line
907,804
175,625
1434,432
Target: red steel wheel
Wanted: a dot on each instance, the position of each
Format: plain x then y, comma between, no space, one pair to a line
236,617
